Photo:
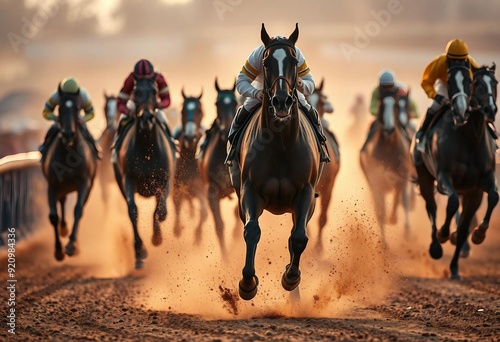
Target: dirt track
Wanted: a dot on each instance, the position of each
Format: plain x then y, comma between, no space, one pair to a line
75,300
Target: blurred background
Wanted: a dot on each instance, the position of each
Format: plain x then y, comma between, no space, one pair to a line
192,41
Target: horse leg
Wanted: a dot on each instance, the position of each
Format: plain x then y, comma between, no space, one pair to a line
160,215
252,208
445,187
465,251
203,214
479,233
83,194
54,219
237,227
298,239
426,182
214,203
177,197
379,199
326,197
471,203
140,252
395,204
64,227
406,207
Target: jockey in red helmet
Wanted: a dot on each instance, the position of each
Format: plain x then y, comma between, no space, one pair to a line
143,71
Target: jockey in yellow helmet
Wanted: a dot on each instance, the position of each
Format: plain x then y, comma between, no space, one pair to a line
68,85
435,78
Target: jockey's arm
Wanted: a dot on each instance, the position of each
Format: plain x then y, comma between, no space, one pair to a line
50,105
163,91
307,83
124,94
374,102
431,74
244,85
86,104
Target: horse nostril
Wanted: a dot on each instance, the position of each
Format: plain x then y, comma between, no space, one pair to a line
275,102
289,101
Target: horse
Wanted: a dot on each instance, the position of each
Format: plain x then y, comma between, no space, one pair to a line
214,173
187,180
461,158
144,163
330,170
386,162
69,165
106,141
277,165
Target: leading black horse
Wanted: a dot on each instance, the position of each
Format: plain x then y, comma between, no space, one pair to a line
461,158
277,162
69,165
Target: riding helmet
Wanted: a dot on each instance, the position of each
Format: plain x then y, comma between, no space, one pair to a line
69,85
457,49
387,77
143,68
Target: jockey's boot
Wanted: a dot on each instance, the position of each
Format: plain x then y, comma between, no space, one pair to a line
49,137
239,120
420,135
313,116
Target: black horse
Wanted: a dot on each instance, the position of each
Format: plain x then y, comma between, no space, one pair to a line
386,162
187,180
277,164
106,141
69,165
461,158
330,170
214,173
144,163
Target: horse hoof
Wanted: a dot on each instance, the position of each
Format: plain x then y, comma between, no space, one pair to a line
436,251
157,239
456,276
478,236
139,264
71,249
453,238
464,254
64,231
143,254
442,238
248,294
59,255
289,284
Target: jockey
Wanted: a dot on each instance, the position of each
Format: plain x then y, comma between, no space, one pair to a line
143,70
68,85
434,82
250,84
386,82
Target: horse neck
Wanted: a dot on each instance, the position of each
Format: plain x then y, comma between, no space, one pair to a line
284,133
148,140
475,129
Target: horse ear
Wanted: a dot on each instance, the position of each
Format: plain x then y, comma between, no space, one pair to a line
234,86
264,36
199,97
320,87
105,94
183,94
295,35
493,67
408,92
217,85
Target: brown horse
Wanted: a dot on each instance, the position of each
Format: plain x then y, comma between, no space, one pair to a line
330,170
386,162
187,180
214,173
106,141
277,164
69,165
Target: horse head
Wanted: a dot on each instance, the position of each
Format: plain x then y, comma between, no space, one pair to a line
317,99
459,90
192,114
110,109
68,118
388,111
404,106
485,91
280,73
226,104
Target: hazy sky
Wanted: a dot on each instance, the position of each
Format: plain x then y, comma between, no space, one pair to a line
193,41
